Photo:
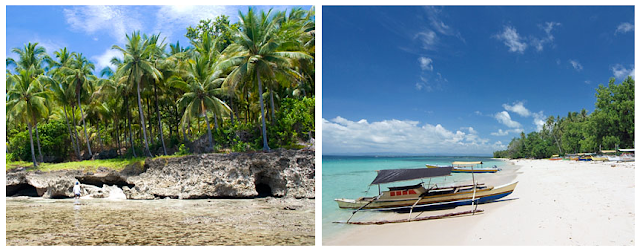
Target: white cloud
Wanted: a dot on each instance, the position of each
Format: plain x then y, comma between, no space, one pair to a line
539,120
117,21
436,23
340,135
517,107
624,28
104,60
512,40
620,72
427,85
426,63
548,27
428,38
175,18
505,119
538,43
472,131
576,65
500,132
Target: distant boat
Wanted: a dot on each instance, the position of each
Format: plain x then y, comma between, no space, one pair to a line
585,158
467,167
472,167
624,157
555,157
599,158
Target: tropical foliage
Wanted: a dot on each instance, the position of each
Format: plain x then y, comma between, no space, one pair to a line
611,125
236,87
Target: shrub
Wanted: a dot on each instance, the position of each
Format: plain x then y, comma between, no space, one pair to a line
182,150
54,142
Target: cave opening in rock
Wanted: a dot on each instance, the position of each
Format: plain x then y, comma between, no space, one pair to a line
99,182
263,190
22,190
262,186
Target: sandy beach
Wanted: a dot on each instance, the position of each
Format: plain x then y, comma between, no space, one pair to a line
555,203
166,222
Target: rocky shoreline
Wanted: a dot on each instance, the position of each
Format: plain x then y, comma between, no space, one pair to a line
280,173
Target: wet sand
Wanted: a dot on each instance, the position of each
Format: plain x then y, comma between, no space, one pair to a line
555,203
263,221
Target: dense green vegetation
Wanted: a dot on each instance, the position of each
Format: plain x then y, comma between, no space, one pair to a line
611,125
238,87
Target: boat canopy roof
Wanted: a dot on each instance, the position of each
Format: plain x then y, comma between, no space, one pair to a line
467,162
608,151
394,175
627,150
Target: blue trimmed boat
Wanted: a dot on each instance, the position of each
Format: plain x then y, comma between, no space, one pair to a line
416,197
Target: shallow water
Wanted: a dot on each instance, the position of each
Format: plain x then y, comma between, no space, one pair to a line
349,177
37,221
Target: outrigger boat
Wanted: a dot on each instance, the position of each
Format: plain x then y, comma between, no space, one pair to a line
408,198
468,167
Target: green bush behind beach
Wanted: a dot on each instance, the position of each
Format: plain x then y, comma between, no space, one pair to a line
611,125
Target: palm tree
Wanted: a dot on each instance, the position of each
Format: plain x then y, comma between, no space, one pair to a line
178,61
26,99
61,93
117,87
136,64
256,53
31,56
203,84
158,62
80,74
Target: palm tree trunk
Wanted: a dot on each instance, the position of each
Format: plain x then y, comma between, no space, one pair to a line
99,137
115,120
144,129
215,120
33,152
247,115
265,146
38,140
73,143
85,127
273,109
164,148
231,113
206,118
126,105
75,131
150,119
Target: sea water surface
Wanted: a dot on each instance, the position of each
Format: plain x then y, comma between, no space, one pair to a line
350,176
263,221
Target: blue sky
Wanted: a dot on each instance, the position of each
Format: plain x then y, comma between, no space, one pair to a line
93,30
462,80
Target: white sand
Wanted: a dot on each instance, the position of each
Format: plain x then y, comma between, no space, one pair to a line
555,203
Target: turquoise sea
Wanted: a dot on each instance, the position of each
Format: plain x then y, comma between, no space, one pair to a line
350,176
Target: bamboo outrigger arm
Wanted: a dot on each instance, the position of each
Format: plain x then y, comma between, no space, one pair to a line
414,204
355,211
433,217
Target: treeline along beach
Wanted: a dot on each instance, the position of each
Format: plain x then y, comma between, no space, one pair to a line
611,125
236,87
